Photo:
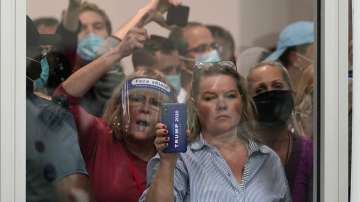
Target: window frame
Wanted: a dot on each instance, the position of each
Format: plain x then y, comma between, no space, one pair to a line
331,160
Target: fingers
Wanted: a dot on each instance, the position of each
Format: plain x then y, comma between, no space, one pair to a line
161,143
138,32
160,126
162,139
161,132
135,38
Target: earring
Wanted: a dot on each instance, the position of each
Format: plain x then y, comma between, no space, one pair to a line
116,122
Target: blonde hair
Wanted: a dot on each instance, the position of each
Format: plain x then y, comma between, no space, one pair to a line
113,113
245,127
293,121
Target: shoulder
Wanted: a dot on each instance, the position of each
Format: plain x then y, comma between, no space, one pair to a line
50,113
271,159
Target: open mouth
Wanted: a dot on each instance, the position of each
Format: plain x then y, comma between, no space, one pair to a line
142,124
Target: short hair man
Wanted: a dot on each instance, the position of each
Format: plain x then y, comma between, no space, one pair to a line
46,25
159,53
195,43
55,169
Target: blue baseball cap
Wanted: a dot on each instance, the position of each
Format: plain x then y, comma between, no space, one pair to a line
297,33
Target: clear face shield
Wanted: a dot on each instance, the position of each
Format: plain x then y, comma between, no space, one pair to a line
141,100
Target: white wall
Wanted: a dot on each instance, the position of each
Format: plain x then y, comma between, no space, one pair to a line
252,22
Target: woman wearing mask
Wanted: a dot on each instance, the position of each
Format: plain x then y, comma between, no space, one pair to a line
270,86
223,161
116,148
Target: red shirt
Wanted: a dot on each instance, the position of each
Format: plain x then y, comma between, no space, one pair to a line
115,174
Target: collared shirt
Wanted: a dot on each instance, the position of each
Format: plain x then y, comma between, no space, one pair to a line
202,174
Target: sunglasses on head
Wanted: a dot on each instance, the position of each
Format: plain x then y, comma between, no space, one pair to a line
221,64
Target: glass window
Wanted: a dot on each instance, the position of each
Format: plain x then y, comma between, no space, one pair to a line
227,86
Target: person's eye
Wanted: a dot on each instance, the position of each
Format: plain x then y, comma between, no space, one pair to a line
136,98
259,90
199,49
83,27
232,95
209,97
155,102
278,86
99,26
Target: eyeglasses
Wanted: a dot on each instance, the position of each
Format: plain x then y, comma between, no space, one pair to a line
204,47
221,64
140,100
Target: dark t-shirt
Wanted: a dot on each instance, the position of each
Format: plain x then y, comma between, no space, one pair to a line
52,150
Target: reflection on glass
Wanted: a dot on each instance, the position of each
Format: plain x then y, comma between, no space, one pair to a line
96,131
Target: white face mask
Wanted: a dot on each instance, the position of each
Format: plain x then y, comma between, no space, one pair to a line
211,56
88,46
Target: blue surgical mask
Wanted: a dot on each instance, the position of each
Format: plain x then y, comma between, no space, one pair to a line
44,75
211,56
88,46
175,81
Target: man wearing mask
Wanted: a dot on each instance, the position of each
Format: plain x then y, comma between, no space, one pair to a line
95,28
195,44
159,53
95,33
51,173
96,38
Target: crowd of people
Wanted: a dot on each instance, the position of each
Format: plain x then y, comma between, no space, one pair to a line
94,133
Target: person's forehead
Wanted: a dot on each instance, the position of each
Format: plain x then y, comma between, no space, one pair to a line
166,59
197,35
90,17
45,29
217,83
147,92
265,73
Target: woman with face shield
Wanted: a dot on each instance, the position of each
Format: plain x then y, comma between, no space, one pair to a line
223,161
116,148
270,86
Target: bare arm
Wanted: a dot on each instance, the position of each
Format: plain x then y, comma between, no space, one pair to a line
71,15
74,188
162,187
83,79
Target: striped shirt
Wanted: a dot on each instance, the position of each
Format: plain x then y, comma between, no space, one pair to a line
202,174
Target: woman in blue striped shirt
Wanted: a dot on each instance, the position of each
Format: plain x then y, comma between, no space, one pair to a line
223,162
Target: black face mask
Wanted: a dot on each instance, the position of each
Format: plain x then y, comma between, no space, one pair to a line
274,108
